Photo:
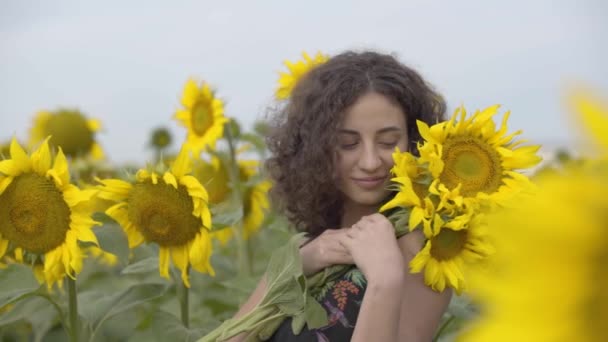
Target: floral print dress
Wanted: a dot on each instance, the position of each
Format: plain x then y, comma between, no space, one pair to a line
341,299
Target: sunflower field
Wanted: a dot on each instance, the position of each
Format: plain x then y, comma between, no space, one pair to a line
91,251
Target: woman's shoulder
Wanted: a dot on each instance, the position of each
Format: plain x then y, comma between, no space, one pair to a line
411,243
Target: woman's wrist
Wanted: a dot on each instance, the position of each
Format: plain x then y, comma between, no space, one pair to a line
387,278
309,264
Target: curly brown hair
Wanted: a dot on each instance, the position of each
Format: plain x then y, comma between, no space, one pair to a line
304,130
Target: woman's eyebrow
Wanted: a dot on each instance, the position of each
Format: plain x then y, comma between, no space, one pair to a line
389,129
347,131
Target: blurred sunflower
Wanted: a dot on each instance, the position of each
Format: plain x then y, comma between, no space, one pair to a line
42,213
203,116
170,210
288,80
255,198
215,178
473,160
68,129
564,236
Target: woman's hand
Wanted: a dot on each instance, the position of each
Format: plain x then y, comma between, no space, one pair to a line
324,251
375,250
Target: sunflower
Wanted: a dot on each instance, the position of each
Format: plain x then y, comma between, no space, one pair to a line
214,176
170,210
70,130
563,233
203,115
447,252
288,80
255,198
472,160
42,213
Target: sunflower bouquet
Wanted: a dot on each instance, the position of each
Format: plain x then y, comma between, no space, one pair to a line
467,168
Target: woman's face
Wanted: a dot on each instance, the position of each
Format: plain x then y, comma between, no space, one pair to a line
367,137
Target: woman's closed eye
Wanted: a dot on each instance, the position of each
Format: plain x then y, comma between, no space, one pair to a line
389,144
349,145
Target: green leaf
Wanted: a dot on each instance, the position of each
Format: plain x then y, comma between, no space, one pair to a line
99,306
146,265
37,312
164,326
112,239
16,281
255,140
226,214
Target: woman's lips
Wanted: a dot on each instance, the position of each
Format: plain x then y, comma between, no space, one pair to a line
369,182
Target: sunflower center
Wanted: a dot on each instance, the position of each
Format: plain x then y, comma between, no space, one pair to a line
201,117
69,130
473,163
161,138
33,214
163,214
448,243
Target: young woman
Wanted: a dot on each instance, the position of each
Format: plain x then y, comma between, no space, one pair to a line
332,148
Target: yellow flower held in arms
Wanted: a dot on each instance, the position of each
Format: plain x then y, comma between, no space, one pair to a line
466,168
170,210
288,80
203,116
42,213
445,255
473,160
70,130
547,280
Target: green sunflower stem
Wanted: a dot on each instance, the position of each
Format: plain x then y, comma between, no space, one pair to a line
73,310
237,194
184,302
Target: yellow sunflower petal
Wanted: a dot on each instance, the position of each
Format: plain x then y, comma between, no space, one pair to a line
20,158
163,261
94,125
41,158
114,189
4,183
594,115
179,254
3,246
97,152
182,164
190,94
60,172
169,179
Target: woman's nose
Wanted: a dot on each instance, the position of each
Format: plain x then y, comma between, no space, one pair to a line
370,159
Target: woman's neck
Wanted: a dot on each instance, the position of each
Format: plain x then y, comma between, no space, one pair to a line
353,213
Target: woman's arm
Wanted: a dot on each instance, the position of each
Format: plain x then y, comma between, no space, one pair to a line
251,302
397,305
421,307
378,318
371,242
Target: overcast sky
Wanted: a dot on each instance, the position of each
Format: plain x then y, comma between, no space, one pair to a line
125,62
